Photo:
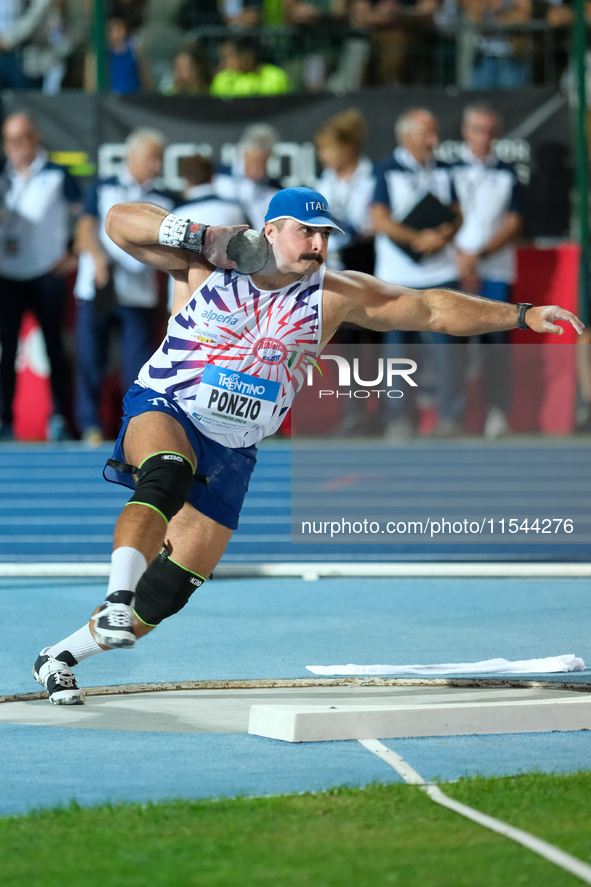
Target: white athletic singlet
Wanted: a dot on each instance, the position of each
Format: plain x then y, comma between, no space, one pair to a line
235,356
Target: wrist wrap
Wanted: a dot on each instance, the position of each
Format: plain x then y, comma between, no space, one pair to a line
182,233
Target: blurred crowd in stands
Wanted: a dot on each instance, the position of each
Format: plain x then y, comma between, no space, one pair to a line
53,243
264,47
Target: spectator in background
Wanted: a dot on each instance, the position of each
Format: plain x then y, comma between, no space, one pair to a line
498,64
447,20
114,289
490,197
560,13
37,198
160,38
124,64
201,196
243,72
311,12
402,181
199,13
348,184
203,203
35,43
12,75
189,75
247,180
130,11
315,19
395,29
242,13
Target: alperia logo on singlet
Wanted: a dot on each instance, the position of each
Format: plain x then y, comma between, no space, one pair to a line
227,319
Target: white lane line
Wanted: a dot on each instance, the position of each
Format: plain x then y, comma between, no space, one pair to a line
549,851
25,520
57,504
246,565
66,520
41,539
394,760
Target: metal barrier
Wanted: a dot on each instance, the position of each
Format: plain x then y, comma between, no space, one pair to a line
448,54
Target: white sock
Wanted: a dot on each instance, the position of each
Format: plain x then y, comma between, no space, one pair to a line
127,566
81,645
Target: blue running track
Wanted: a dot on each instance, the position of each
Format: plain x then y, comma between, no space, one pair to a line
56,506
238,629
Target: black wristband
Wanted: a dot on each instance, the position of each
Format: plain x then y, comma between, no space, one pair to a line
194,237
522,307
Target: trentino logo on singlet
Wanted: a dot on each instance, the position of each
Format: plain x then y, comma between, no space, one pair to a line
230,396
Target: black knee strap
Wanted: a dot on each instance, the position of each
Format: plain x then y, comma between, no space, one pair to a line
163,483
164,589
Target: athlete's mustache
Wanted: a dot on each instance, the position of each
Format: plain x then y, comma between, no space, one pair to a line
315,256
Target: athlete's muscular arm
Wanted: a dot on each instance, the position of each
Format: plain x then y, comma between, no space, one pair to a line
371,303
135,227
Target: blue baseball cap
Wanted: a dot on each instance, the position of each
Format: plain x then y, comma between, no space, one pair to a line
303,205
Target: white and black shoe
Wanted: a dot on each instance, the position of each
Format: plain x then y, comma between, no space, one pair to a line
57,677
112,624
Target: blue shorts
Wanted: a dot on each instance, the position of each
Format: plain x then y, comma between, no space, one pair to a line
229,468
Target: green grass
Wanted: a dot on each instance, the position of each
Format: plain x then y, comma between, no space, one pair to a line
380,835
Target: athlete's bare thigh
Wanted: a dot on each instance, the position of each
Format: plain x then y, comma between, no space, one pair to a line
152,433
195,541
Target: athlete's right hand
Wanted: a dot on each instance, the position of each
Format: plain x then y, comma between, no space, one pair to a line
217,238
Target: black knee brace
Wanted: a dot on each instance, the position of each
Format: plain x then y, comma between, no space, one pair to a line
163,483
164,589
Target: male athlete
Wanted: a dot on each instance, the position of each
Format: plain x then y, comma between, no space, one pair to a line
234,357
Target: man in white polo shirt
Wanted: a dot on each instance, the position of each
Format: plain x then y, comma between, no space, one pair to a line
246,180
490,196
37,198
402,180
204,204
113,289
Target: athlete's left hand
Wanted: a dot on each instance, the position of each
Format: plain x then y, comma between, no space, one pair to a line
217,238
541,319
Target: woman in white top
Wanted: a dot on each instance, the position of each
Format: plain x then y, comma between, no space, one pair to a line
348,184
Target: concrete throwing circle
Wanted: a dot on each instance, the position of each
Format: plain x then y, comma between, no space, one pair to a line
396,708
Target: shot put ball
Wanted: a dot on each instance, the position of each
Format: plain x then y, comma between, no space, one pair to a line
249,250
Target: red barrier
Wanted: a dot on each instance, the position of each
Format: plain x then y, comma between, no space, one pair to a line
32,402
545,277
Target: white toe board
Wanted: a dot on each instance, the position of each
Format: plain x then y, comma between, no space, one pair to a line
318,723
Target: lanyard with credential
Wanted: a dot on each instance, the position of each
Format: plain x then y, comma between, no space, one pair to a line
475,178
13,192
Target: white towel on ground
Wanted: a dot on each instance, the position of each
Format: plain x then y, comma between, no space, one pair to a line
567,662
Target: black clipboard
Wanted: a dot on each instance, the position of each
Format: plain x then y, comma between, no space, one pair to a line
429,212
